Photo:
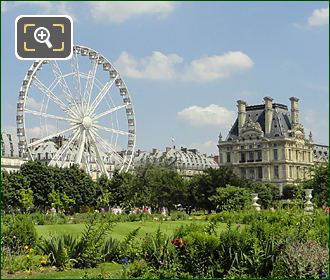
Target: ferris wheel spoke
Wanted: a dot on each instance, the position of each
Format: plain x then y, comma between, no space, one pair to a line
63,84
108,129
98,154
46,115
101,95
87,164
76,76
108,147
108,112
81,148
42,87
63,148
52,136
90,82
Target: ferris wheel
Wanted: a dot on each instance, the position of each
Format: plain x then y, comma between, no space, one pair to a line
83,107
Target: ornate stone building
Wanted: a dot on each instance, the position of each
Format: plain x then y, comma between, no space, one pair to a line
267,143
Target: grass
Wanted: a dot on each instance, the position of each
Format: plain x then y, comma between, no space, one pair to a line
105,270
121,229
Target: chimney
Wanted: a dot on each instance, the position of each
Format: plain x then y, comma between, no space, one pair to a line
294,110
241,105
268,114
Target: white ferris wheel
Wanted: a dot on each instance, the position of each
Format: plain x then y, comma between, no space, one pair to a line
84,104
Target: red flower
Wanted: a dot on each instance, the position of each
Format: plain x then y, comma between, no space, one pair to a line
178,242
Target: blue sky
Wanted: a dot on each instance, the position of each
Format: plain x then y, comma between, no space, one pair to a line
186,64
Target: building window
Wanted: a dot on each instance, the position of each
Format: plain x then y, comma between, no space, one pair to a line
250,147
228,157
39,156
297,155
242,147
291,171
303,155
259,170
276,174
251,156
275,154
290,154
242,157
251,173
259,155
298,171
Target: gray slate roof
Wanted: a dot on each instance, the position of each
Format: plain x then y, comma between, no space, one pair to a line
281,122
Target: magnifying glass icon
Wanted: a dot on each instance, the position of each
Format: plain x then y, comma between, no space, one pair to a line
41,35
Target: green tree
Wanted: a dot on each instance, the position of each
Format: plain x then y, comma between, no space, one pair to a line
268,193
319,183
11,183
159,186
26,199
231,198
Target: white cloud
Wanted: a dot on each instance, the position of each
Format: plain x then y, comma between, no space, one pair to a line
32,104
157,66
40,131
118,12
215,67
211,115
167,66
319,17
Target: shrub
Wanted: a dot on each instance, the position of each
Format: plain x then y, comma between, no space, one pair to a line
302,260
18,231
111,250
65,251
154,248
199,252
236,250
60,250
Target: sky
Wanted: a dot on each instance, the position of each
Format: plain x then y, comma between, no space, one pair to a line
187,63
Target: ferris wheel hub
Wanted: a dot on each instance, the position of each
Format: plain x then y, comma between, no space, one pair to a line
87,122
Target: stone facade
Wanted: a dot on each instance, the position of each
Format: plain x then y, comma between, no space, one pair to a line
267,143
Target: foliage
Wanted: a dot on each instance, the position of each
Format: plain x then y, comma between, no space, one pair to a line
60,250
302,260
43,180
111,250
203,186
268,193
66,251
17,231
231,198
87,251
320,184
292,191
26,262
60,201
26,199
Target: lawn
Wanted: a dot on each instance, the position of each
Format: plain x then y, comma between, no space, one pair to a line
120,230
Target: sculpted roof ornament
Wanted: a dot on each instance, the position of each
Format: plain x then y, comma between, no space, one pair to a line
251,125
